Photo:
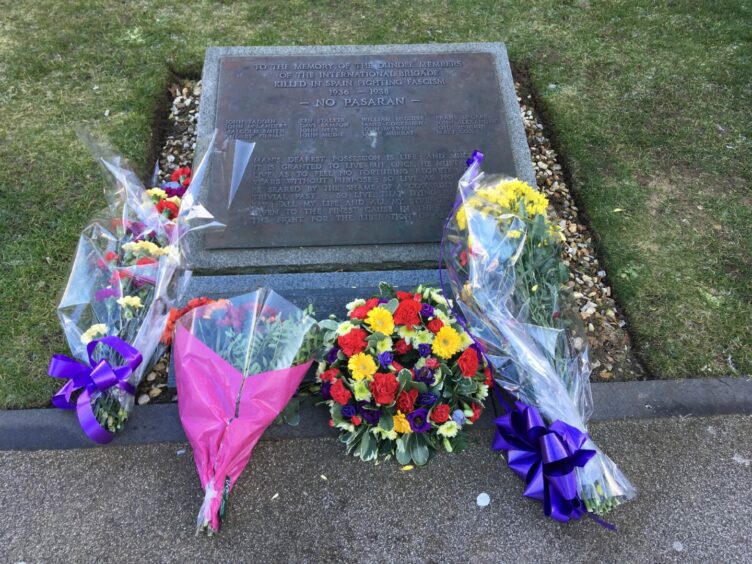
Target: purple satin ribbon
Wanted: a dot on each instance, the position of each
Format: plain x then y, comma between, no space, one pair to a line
97,376
545,458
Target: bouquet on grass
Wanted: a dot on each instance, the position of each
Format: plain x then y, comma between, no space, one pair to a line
502,258
401,377
237,364
126,273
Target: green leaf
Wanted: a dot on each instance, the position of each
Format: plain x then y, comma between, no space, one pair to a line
386,422
402,455
386,290
418,449
391,305
329,324
404,377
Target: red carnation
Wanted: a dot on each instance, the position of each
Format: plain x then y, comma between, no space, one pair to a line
146,261
435,325
355,420
489,377
432,363
353,342
397,366
331,422
182,175
477,410
169,207
463,258
361,312
468,362
110,256
402,296
407,313
402,347
406,401
329,375
384,386
339,392
440,413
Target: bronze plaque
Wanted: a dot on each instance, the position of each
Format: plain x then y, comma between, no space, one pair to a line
355,149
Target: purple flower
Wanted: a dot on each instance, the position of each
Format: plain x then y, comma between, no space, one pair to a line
383,301
458,416
385,359
105,293
174,189
427,399
424,350
371,416
331,356
135,228
425,375
426,310
139,281
348,411
325,393
419,420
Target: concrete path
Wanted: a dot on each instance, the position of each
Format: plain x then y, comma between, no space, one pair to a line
137,503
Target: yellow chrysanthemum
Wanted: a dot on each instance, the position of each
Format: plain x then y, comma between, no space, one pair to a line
362,366
401,424
380,320
95,331
447,342
130,301
462,218
384,345
157,193
514,233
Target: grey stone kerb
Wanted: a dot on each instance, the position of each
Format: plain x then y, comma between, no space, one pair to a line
355,257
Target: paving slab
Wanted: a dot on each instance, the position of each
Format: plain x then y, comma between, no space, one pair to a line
139,503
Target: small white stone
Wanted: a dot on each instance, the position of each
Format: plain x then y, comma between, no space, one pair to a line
143,399
677,546
483,499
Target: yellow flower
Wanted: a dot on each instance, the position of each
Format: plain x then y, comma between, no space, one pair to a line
157,193
361,366
380,320
175,200
93,332
449,429
462,218
384,345
146,247
130,301
514,233
401,424
447,342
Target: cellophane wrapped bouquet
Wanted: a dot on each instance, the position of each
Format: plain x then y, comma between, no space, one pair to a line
126,274
238,362
502,258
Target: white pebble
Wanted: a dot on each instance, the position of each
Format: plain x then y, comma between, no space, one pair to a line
483,499
677,546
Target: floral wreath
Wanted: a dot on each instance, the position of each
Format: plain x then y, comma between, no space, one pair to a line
401,378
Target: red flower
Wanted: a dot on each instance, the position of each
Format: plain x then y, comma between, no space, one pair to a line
489,377
331,422
169,209
355,420
477,410
468,362
402,347
145,261
118,275
435,325
110,256
397,366
384,387
406,401
182,175
402,296
407,313
353,342
329,375
176,314
432,363
361,312
440,413
339,392
463,258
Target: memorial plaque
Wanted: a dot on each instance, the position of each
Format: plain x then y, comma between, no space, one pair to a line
358,151
355,149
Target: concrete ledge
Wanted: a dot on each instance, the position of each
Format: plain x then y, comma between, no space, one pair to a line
37,429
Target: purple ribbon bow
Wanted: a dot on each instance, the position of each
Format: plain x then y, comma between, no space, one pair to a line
97,376
545,458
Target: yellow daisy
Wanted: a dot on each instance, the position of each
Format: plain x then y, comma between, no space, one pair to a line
380,320
447,342
362,366
401,424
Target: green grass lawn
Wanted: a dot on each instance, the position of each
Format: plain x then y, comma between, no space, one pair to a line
650,104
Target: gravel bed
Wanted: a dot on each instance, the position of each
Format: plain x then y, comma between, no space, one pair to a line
603,323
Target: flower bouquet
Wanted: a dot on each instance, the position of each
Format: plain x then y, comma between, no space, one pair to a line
237,364
401,377
502,258
126,273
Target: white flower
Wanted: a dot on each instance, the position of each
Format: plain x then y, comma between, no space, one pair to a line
449,429
355,303
344,328
384,345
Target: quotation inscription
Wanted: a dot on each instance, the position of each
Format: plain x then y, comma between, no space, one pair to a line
354,149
